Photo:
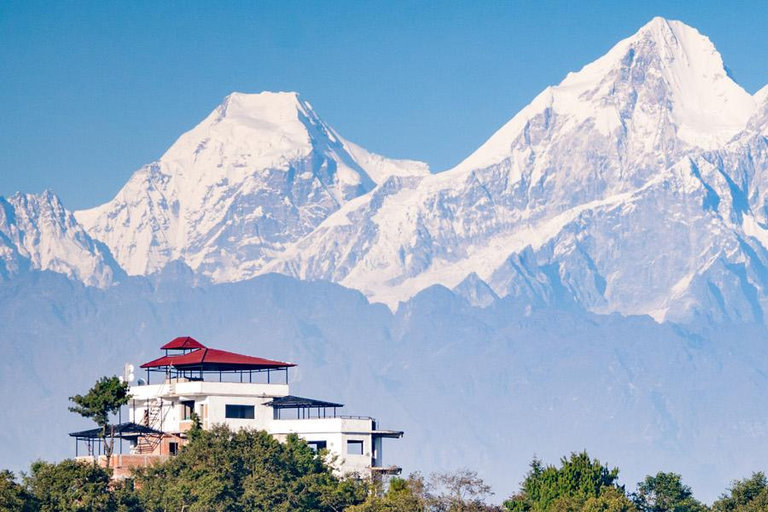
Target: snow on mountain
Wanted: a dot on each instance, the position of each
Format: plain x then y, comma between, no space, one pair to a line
759,121
665,82
591,195
261,171
636,185
37,232
761,96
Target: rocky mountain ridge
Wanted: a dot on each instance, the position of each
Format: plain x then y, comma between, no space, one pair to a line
634,186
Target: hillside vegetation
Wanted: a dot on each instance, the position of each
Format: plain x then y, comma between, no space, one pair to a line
223,470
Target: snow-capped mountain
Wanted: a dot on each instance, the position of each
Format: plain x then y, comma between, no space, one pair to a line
590,195
261,171
637,185
37,232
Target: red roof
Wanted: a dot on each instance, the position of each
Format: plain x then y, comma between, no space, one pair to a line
182,343
211,359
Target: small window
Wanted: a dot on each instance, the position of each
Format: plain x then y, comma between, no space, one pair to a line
354,447
242,412
187,408
173,448
318,445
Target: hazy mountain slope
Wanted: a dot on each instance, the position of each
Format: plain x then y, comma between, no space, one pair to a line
481,388
37,232
261,171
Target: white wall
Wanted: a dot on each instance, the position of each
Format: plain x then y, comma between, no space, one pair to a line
215,396
336,432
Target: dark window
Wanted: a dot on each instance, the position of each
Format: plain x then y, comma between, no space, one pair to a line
318,445
187,408
354,447
243,412
173,448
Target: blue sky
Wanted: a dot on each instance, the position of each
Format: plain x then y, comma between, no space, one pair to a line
90,91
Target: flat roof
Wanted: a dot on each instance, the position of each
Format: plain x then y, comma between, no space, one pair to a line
124,430
297,402
392,434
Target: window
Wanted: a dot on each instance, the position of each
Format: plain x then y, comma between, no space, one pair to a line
243,412
187,408
173,448
318,445
354,447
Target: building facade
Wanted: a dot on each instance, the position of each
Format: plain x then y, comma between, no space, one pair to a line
225,388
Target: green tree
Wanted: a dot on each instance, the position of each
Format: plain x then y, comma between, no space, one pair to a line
124,497
748,495
611,499
197,427
580,483
102,400
665,492
403,495
222,470
69,486
13,496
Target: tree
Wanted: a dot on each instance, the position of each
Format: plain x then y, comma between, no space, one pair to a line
102,400
748,495
13,496
124,497
222,470
69,486
197,427
460,491
579,484
611,499
665,492
403,495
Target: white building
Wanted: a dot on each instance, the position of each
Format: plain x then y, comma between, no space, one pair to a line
241,392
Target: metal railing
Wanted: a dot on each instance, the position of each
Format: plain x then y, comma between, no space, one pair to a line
155,418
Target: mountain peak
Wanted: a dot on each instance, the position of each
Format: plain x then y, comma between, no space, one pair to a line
247,132
38,232
265,104
259,172
266,95
667,82
47,200
675,66
658,22
662,29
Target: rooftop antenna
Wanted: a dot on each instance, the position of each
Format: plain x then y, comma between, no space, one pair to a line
127,375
